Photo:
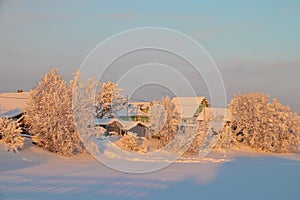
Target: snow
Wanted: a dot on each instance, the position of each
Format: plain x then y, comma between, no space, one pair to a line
13,101
105,121
132,112
210,113
12,113
35,174
126,125
130,124
187,106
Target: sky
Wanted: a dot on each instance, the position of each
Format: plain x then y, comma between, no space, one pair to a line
255,44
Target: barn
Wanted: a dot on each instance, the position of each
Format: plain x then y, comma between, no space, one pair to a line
112,125
137,128
12,105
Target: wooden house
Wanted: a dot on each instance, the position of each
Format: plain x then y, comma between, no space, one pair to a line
137,128
190,108
117,126
112,125
134,112
12,105
215,114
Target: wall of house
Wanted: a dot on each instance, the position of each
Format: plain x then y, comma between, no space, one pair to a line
139,130
114,127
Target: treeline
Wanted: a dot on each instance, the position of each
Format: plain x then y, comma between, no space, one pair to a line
257,123
49,114
261,125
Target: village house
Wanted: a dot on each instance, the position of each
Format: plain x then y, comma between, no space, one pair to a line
137,128
136,111
114,126
189,108
12,105
215,114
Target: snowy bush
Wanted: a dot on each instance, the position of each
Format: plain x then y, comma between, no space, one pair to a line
49,116
130,143
109,100
10,135
264,126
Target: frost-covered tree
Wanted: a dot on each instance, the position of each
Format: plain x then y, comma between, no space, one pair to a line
283,123
109,100
49,116
83,110
298,129
10,135
225,138
249,111
157,117
198,138
261,125
172,119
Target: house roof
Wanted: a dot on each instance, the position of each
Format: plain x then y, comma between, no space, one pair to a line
105,121
13,104
12,113
187,106
215,113
132,112
126,125
140,104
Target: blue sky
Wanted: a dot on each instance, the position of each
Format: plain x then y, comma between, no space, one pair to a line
254,43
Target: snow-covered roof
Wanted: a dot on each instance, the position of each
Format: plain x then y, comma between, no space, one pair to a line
105,121
11,114
141,104
126,125
132,111
13,104
215,113
187,106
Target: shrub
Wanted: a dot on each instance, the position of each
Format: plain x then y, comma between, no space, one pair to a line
130,143
10,135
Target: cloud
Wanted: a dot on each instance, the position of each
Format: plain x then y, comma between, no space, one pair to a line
122,15
182,16
280,79
247,66
204,34
39,16
31,16
20,11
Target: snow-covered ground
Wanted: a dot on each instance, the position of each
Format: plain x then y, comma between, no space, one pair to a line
13,101
37,174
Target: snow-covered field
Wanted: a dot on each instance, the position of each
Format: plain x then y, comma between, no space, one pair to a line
37,174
